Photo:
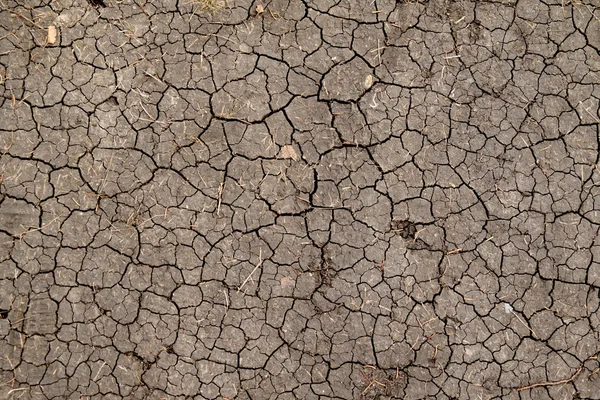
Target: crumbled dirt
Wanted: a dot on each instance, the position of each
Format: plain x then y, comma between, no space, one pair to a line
311,199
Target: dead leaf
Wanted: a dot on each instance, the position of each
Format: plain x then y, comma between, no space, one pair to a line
260,9
288,152
52,33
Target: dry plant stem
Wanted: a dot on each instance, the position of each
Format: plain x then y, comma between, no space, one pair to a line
220,199
524,324
16,390
562,382
20,235
260,260
16,14
371,382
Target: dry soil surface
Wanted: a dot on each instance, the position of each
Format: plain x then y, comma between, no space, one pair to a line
299,199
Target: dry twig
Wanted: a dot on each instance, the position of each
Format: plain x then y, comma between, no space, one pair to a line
554,383
260,260
563,381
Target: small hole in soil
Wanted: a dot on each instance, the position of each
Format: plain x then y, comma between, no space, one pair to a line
97,3
3,314
406,229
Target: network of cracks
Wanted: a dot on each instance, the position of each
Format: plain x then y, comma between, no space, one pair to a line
299,199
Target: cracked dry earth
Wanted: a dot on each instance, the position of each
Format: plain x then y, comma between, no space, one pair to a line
318,199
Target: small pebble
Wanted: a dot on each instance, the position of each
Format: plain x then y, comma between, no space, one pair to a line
368,81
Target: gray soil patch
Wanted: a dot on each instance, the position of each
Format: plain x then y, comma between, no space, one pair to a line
299,199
